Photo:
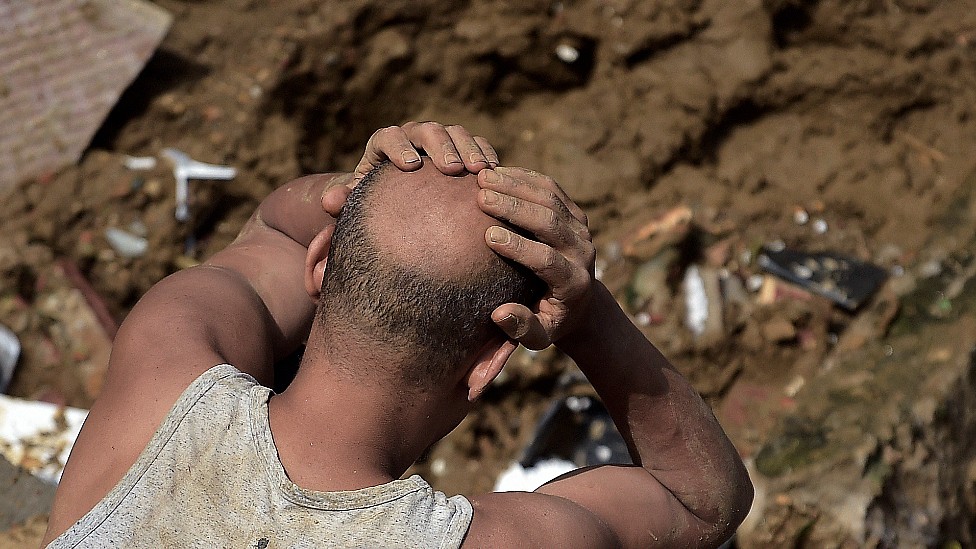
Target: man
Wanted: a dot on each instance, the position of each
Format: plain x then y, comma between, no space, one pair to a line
431,283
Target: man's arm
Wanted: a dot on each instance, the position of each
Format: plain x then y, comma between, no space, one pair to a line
247,305
688,487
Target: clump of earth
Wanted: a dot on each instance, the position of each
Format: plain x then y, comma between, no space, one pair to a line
825,125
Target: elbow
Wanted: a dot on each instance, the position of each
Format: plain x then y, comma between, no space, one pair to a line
744,494
737,502
729,503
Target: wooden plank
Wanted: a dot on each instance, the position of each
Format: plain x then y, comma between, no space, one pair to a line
63,65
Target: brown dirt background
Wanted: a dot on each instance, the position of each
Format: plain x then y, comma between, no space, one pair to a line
862,113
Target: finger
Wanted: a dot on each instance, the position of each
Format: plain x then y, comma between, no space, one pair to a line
471,153
549,265
496,180
548,226
518,323
390,144
534,178
488,150
438,144
334,198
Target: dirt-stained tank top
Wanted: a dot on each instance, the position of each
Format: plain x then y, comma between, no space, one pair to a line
211,477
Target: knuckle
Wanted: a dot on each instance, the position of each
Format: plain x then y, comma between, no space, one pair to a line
551,221
515,205
550,258
584,234
590,256
551,199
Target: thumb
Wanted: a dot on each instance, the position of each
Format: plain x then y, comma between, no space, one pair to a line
520,324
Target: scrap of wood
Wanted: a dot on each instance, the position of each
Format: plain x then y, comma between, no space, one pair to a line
648,239
63,66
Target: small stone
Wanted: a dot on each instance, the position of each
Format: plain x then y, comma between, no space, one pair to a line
211,113
778,329
567,53
800,216
153,188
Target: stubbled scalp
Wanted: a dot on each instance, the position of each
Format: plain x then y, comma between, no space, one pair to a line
410,276
430,221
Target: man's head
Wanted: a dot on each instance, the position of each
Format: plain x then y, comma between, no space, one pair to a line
409,274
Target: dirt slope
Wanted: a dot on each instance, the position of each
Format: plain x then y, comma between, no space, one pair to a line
861,115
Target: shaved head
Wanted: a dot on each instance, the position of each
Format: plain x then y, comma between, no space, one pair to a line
409,273
430,222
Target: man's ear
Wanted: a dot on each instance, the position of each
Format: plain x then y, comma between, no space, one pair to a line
315,261
488,365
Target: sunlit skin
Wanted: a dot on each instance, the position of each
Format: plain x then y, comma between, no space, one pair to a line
249,306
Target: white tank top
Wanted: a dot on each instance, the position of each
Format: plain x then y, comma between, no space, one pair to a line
211,477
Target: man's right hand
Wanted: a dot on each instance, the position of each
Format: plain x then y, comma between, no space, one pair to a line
687,487
562,256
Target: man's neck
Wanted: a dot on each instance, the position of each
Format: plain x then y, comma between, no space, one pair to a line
337,433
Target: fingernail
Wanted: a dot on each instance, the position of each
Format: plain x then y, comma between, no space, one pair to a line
492,177
410,157
474,158
498,235
452,158
493,164
511,320
491,197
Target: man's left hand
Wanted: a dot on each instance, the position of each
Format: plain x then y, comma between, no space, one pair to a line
452,149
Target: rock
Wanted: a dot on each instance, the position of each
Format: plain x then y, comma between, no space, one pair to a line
24,495
875,452
778,330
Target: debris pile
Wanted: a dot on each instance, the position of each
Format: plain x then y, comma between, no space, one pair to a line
700,137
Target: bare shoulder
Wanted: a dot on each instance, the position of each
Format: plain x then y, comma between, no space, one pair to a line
165,343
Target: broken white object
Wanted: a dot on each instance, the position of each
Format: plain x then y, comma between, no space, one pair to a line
139,163
186,168
9,353
125,243
526,479
800,216
567,53
38,436
696,301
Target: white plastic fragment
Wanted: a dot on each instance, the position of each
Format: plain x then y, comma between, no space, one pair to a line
38,436
9,353
696,301
820,226
800,216
186,168
567,53
125,243
526,479
603,453
139,163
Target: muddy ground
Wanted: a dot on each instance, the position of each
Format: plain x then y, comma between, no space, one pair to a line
858,116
